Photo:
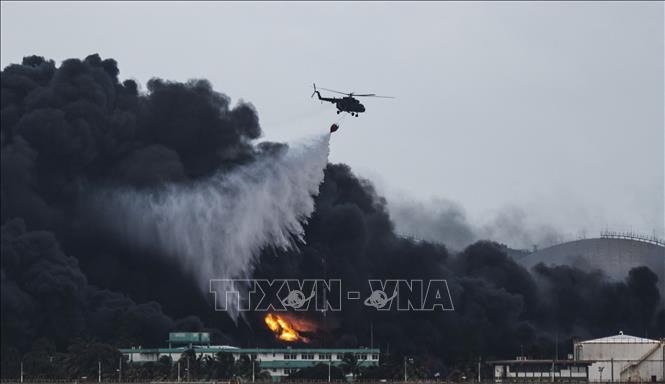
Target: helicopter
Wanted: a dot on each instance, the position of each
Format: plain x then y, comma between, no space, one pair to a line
348,103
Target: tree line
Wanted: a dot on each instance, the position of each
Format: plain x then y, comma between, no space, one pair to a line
86,359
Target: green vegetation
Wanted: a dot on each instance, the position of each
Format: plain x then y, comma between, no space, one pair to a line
83,358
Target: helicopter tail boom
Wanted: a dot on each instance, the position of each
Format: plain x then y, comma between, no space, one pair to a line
318,94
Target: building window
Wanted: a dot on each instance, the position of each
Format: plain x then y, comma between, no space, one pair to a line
361,356
324,356
308,356
340,356
290,356
577,369
375,356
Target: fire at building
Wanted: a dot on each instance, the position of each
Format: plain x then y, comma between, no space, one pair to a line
288,328
277,362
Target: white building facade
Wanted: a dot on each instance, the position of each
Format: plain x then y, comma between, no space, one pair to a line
278,363
623,358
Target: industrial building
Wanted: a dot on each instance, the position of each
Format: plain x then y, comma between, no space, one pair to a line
528,371
278,362
623,358
618,358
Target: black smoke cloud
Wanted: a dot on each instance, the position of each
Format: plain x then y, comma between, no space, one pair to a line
71,128
75,127
500,307
44,293
65,127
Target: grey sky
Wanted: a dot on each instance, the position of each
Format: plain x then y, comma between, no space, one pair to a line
553,108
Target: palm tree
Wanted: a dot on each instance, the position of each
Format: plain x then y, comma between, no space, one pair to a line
243,367
224,367
85,355
350,364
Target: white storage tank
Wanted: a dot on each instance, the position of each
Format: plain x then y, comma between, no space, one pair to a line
623,358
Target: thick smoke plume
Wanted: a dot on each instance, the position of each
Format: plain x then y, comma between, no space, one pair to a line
501,308
179,174
69,131
216,227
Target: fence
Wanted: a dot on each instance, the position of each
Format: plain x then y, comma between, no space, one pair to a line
469,381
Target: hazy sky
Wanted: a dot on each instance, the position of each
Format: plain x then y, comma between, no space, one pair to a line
553,108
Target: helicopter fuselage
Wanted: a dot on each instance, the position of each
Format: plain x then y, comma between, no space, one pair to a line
350,104
344,104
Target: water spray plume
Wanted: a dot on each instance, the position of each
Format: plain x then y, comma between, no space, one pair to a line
216,228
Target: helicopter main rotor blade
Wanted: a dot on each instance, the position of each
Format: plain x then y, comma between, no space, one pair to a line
373,95
352,94
332,90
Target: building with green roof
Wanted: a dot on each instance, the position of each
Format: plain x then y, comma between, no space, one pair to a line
278,362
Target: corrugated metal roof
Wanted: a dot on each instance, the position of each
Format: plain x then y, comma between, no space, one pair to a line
620,339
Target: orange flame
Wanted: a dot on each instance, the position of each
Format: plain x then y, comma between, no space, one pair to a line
287,328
